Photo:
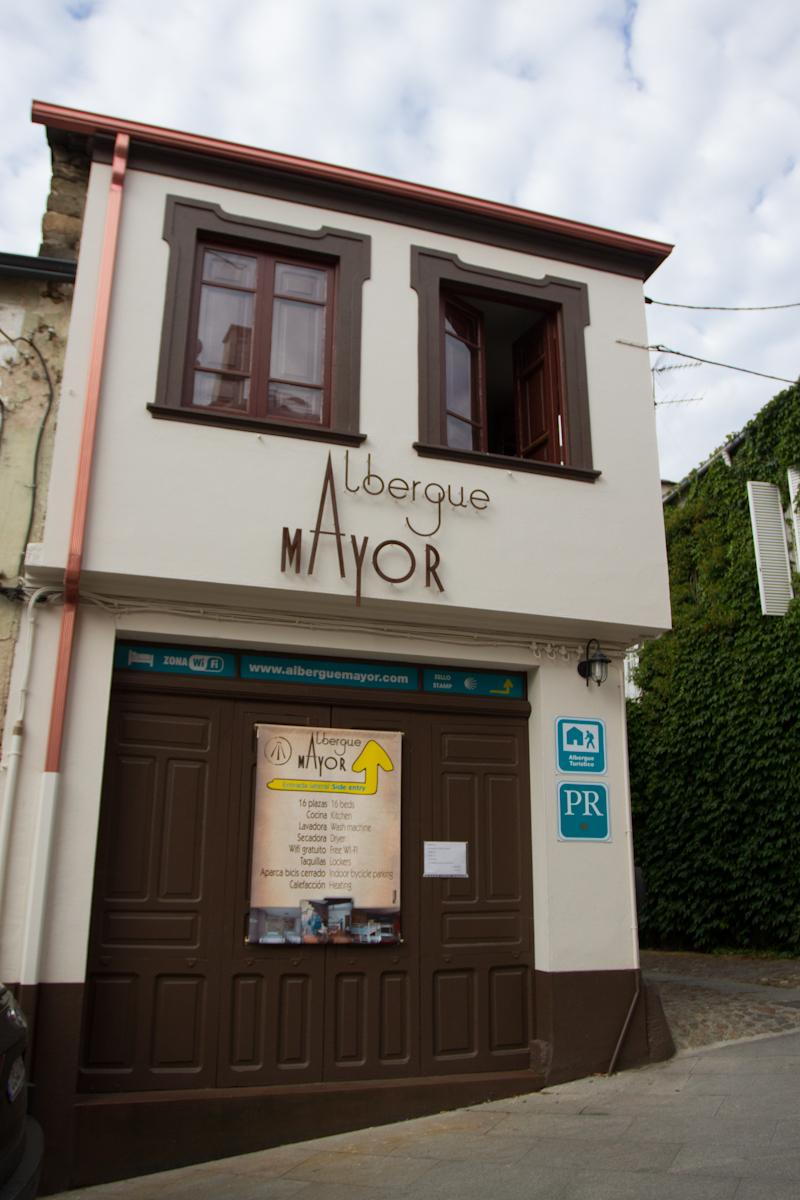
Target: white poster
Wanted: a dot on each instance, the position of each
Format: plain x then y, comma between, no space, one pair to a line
326,836
445,860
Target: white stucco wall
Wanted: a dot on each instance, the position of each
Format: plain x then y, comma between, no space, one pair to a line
202,505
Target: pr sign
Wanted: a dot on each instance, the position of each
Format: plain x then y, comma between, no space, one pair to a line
583,811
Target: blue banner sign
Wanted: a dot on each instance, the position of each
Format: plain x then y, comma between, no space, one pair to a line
508,686
275,668
581,746
393,677
583,814
175,660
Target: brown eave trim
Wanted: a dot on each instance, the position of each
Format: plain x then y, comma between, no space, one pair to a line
77,121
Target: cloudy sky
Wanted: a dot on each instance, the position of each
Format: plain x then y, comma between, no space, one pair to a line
675,119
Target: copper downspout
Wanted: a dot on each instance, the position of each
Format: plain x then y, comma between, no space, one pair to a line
45,817
81,502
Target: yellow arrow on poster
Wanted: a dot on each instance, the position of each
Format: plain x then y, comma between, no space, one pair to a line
507,687
371,757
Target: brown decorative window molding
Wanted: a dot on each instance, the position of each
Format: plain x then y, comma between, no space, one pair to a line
262,324
502,368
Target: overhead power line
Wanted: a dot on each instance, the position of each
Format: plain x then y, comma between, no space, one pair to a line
723,307
708,361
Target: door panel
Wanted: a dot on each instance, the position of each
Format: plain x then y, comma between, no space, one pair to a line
273,997
154,957
372,992
477,947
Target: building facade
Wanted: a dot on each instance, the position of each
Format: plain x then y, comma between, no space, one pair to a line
341,459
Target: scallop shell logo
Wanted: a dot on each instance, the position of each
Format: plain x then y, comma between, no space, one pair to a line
470,683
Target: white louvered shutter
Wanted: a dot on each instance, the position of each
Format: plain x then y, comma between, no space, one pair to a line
772,554
794,500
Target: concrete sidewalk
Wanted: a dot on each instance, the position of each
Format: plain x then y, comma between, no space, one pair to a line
709,1125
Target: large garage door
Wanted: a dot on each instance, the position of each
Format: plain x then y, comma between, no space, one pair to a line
175,998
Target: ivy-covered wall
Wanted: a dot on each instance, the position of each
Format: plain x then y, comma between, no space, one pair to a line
715,736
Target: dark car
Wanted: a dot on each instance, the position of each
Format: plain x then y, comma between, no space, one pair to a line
20,1136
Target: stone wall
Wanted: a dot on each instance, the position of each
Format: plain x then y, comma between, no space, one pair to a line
62,222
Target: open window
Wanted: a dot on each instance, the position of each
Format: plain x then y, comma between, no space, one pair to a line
262,325
502,368
501,379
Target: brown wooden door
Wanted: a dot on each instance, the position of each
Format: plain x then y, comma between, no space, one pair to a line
153,972
177,999
273,997
372,992
477,936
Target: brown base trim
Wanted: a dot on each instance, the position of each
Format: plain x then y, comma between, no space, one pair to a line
55,1010
581,1015
95,1139
121,1136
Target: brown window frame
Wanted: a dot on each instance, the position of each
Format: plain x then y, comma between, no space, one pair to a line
191,227
440,278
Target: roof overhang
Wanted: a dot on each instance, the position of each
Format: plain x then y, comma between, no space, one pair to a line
27,266
605,248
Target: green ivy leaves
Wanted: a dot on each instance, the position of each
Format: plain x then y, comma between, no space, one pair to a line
715,737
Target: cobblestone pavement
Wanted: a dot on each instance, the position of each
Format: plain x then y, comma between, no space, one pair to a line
711,998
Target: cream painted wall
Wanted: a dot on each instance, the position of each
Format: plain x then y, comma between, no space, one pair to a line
184,502
583,894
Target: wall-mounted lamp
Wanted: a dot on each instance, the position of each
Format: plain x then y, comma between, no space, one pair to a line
594,665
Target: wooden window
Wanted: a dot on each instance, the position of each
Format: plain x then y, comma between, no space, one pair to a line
501,379
262,324
464,401
263,336
539,419
502,368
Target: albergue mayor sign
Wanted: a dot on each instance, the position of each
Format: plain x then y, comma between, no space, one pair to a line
326,836
392,560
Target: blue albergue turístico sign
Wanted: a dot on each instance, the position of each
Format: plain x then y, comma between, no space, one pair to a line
581,746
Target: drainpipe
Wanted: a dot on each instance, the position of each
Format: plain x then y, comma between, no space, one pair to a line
51,778
14,755
637,991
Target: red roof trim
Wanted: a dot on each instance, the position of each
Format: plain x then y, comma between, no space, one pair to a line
76,121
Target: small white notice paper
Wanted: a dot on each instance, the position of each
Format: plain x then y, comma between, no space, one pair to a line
447,860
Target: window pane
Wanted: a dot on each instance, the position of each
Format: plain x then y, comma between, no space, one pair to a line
460,324
458,377
220,391
223,266
301,283
461,436
298,342
299,404
224,329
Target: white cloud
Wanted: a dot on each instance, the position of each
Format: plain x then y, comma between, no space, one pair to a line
686,130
